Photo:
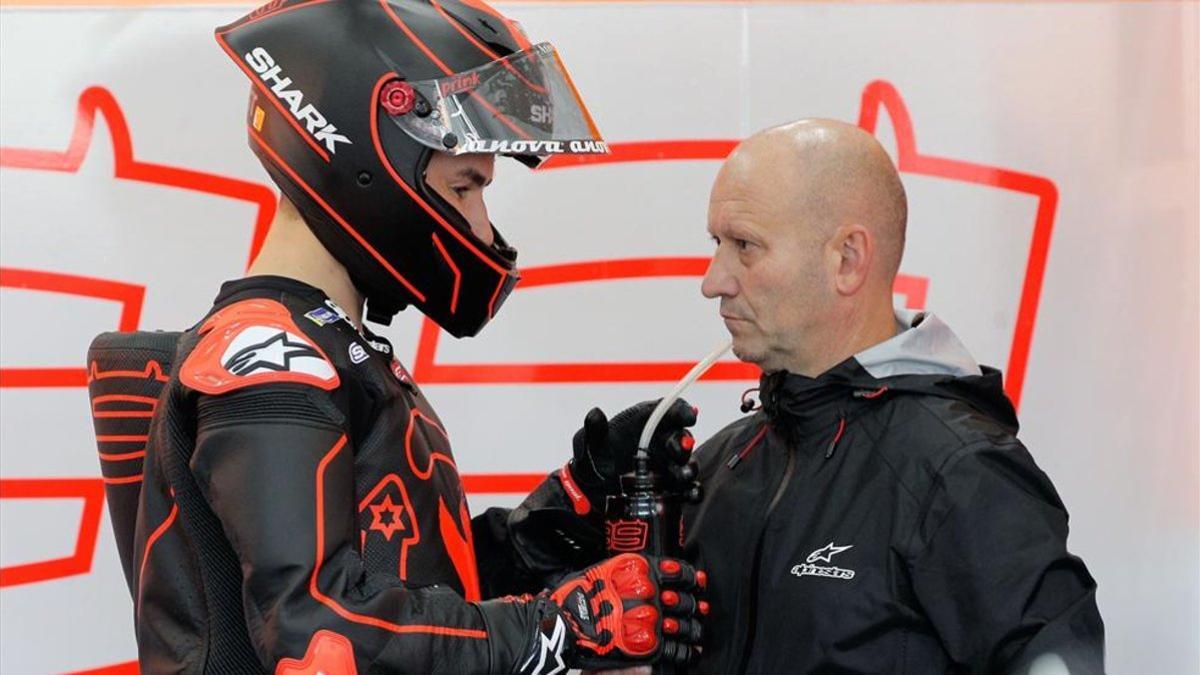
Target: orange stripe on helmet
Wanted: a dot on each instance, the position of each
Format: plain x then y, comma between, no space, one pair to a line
483,48
267,94
267,15
453,268
447,70
387,8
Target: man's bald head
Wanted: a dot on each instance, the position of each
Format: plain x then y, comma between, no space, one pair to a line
809,222
827,174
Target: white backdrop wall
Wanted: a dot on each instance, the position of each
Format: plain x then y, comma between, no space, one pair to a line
1050,151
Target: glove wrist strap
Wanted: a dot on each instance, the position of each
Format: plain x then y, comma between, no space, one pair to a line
579,499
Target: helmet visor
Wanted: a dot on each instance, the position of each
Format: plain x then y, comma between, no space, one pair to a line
523,104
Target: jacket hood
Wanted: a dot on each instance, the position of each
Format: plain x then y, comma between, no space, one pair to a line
924,357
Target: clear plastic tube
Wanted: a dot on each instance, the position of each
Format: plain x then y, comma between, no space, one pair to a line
665,404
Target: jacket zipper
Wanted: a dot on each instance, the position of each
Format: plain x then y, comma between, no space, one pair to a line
737,457
757,562
837,436
787,476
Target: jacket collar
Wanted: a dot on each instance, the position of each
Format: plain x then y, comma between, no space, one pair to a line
800,401
925,348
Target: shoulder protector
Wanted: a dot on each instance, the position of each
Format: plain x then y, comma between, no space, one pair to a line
254,342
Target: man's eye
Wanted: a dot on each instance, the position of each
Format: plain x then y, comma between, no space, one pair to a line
461,191
742,244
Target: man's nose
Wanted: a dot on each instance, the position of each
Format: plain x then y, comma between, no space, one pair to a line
718,283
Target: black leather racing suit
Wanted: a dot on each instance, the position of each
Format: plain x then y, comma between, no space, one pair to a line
301,509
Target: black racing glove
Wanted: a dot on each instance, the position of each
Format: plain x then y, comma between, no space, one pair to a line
604,449
624,611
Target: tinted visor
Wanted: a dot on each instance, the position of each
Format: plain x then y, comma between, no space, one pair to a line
524,104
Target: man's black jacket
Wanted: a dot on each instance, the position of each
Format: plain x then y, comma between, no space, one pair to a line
887,522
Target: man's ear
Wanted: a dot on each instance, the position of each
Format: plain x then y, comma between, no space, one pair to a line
854,246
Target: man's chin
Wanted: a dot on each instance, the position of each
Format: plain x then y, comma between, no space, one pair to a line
746,352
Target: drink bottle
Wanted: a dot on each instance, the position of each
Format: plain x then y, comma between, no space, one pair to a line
644,519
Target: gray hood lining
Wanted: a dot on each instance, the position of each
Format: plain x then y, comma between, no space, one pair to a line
925,346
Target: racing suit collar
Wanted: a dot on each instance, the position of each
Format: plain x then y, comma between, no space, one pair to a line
273,282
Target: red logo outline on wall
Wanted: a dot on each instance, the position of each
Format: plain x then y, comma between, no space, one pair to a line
126,166
91,491
882,94
876,95
100,100
130,296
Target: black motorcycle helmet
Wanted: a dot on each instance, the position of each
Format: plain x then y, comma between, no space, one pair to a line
350,100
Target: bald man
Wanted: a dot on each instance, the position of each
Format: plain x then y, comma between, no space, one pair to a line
876,513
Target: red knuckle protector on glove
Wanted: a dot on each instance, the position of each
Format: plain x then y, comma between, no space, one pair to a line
639,630
617,612
631,578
